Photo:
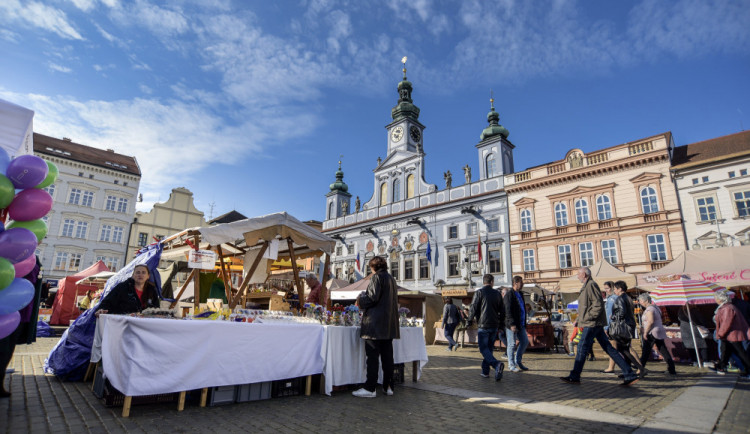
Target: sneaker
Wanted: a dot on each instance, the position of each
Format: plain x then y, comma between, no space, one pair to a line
523,368
733,369
571,354
570,380
630,381
483,375
499,371
450,348
515,369
388,392
721,372
364,393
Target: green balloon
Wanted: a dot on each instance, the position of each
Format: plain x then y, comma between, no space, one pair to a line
38,227
7,192
51,175
7,273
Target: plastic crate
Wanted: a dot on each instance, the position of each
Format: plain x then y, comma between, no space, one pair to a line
254,392
290,387
398,373
222,395
112,397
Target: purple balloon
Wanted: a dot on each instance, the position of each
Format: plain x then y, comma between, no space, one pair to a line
30,204
8,324
27,171
24,267
16,296
17,244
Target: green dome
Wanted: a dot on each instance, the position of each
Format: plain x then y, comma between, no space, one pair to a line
405,107
494,128
339,184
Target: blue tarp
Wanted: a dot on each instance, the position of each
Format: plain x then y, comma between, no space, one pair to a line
43,330
70,357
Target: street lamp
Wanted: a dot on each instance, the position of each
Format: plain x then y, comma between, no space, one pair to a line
696,245
719,239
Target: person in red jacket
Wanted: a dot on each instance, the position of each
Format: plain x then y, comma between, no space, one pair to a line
731,330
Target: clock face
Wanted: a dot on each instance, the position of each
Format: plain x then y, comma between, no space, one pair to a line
397,134
415,134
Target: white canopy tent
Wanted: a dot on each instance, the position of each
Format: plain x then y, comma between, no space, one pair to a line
16,129
726,266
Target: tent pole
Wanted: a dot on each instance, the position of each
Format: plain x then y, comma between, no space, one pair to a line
227,282
324,296
248,276
692,333
197,284
300,289
183,287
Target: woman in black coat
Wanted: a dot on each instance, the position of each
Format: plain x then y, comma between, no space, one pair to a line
133,295
623,319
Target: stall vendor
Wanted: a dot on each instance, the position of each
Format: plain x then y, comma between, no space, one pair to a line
133,295
86,304
315,289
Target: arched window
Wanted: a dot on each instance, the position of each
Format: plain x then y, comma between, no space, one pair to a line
491,166
396,190
604,207
383,194
526,224
410,186
649,201
331,210
561,214
582,211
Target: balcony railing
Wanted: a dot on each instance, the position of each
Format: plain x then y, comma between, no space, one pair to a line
567,272
582,227
563,230
523,176
657,265
606,224
650,218
597,158
640,148
555,168
530,274
528,235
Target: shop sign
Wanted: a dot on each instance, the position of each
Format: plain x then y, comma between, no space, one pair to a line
454,293
202,259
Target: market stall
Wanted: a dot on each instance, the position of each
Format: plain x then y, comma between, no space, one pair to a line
726,266
65,307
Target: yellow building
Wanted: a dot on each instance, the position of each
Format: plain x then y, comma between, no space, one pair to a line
617,204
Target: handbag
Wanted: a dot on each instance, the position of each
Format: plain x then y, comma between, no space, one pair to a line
618,329
704,332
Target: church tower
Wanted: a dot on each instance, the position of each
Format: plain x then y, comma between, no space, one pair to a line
494,148
338,202
405,132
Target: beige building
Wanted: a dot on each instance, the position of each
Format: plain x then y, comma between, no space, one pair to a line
618,204
164,219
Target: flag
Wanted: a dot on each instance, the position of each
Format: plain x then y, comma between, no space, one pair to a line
358,267
429,253
479,247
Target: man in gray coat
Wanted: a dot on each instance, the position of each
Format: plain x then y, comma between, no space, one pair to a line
592,318
379,327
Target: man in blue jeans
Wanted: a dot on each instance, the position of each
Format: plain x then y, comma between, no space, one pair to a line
592,318
515,326
487,308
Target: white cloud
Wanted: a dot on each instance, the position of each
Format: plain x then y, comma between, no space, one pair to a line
145,89
59,68
84,5
9,36
35,14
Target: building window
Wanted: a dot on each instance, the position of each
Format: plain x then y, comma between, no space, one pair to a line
704,179
396,190
453,263
743,172
493,225
117,234
383,194
65,261
105,233
648,200
61,260
742,203
142,239
526,224
731,174
706,209
452,232
122,205
424,268
491,164
695,181
586,251
394,268
339,251
471,229
657,250
67,227
110,203
80,174
495,259
110,261
125,184
50,189
87,199
603,207
582,211
564,256
331,210
410,186
117,181
609,251
529,262
81,229
75,196
350,248
561,214
409,268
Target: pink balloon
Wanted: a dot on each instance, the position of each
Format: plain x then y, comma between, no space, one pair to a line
24,267
26,171
30,204
17,244
8,323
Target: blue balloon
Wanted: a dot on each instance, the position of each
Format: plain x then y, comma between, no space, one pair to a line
16,296
4,160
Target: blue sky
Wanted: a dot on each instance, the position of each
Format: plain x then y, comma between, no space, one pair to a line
250,103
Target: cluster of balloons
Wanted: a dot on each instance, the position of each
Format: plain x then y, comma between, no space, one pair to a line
23,199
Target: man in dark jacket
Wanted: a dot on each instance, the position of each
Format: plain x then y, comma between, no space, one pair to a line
379,328
515,325
487,308
592,319
451,319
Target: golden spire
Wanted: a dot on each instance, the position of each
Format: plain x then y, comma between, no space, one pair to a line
492,100
403,60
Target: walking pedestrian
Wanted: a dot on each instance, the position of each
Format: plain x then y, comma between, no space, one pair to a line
622,325
461,327
609,302
515,326
592,318
379,327
487,309
731,330
654,333
451,319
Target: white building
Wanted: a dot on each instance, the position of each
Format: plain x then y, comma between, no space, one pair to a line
713,183
94,203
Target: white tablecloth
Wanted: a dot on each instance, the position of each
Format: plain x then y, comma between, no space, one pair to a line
143,356
344,354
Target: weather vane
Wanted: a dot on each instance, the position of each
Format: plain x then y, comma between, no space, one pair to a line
403,60
341,156
492,100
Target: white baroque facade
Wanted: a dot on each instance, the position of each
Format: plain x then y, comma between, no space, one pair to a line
93,206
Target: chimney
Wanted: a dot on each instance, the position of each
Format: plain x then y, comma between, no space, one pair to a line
66,139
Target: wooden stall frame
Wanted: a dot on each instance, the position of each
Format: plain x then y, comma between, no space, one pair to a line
248,276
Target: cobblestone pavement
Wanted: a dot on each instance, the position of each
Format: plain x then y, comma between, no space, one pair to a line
42,403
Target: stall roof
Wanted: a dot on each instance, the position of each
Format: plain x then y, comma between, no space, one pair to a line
601,272
727,266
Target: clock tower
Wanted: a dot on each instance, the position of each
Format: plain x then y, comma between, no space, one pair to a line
405,132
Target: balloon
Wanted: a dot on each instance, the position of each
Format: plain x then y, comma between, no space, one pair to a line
16,296
30,204
51,175
7,273
7,191
38,227
17,244
24,267
26,171
4,160
8,323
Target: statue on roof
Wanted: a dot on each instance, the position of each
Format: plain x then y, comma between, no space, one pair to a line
467,174
356,204
448,179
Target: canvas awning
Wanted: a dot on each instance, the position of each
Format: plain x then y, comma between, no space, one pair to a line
727,266
351,292
16,129
601,272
